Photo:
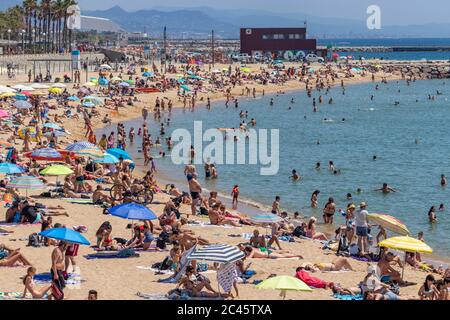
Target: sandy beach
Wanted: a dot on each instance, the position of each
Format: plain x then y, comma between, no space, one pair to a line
121,278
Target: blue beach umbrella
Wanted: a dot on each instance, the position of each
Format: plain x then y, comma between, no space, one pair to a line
73,98
185,88
103,82
107,159
65,234
124,84
10,168
119,153
148,74
132,211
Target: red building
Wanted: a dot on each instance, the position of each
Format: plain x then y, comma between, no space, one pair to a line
287,43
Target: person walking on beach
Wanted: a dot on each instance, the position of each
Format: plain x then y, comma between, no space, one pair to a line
57,268
196,192
362,228
276,205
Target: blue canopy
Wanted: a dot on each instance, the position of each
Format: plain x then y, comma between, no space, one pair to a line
65,234
119,153
148,74
132,211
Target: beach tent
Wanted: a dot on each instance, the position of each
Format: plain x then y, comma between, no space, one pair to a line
65,234
219,253
284,283
407,244
388,222
132,211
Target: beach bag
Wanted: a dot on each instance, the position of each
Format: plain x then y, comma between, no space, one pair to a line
203,211
57,293
353,250
343,247
160,243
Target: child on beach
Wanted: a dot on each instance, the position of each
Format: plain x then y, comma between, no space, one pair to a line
235,195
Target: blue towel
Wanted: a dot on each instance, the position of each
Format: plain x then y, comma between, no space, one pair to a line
347,296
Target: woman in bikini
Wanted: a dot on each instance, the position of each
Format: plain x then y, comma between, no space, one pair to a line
428,290
104,240
311,231
255,253
338,264
328,211
314,202
36,293
10,257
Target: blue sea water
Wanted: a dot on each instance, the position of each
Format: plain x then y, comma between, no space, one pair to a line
370,128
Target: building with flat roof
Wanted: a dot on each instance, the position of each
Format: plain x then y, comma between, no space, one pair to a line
286,43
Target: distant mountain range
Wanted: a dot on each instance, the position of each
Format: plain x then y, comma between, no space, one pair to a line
199,21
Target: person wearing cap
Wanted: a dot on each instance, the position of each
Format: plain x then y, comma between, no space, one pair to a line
362,228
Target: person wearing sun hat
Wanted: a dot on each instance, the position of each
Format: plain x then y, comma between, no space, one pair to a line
362,228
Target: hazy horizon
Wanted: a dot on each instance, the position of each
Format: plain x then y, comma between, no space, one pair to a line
399,12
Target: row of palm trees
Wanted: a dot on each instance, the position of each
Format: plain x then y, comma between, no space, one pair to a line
39,25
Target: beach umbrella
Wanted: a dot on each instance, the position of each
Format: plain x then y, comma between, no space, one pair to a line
56,170
105,66
107,159
119,153
89,84
95,100
10,168
20,97
94,153
124,84
4,89
22,105
132,211
116,79
21,87
65,234
388,222
88,104
58,85
284,283
5,144
77,146
407,244
39,86
266,218
55,90
46,154
52,125
148,74
220,253
73,98
56,133
7,95
4,114
103,81
26,182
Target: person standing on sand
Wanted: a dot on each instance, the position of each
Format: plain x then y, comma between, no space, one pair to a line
57,268
196,192
362,228
276,205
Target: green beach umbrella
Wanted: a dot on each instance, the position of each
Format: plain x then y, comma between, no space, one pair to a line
56,170
284,283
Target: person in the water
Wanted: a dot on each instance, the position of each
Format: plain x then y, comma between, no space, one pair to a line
386,189
295,176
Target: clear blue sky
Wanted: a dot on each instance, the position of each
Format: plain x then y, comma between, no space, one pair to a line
394,12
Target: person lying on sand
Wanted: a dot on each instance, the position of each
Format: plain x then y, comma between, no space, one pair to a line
218,219
338,264
255,253
193,284
187,241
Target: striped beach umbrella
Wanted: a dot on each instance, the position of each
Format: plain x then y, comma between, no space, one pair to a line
94,153
77,146
266,218
46,154
22,105
220,253
119,153
108,158
26,182
10,168
388,222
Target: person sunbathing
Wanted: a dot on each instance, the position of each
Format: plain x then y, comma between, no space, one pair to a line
11,258
187,241
255,253
338,264
234,216
387,272
36,293
193,285
104,239
388,295
137,240
99,197
216,218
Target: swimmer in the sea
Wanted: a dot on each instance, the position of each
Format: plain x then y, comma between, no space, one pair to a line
386,189
295,176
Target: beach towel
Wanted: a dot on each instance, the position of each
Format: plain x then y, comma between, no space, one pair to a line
169,271
110,255
18,296
209,225
310,280
78,200
348,297
44,278
173,296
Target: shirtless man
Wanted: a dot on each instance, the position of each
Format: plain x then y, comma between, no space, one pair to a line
196,192
99,197
387,271
58,258
79,177
386,189
276,205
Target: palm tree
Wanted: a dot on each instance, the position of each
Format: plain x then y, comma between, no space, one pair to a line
29,7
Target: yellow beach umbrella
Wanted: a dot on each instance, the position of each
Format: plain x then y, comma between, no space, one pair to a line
55,90
33,136
284,283
95,153
407,244
388,222
7,95
56,170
